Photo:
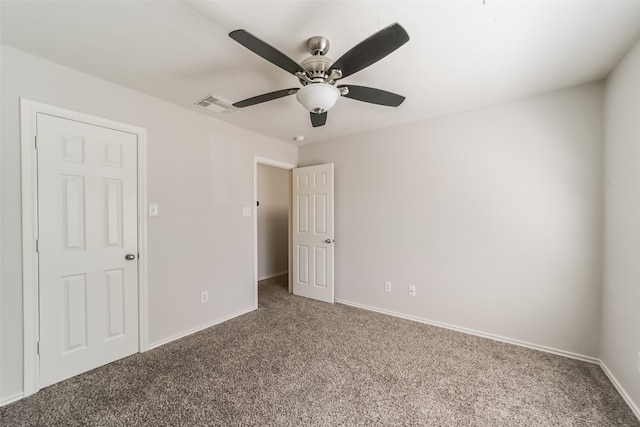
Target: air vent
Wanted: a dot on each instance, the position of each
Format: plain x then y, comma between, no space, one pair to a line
216,104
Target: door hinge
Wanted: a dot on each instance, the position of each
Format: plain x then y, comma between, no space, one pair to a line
35,140
38,347
37,246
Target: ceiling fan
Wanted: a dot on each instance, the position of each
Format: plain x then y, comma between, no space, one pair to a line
318,74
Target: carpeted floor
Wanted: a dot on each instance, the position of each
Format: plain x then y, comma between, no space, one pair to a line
298,362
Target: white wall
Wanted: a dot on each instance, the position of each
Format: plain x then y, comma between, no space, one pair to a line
621,288
495,215
200,172
273,222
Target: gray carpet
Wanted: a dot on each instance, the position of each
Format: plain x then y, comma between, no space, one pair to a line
297,362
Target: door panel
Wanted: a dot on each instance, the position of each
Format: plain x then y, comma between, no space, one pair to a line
313,232
87,223
114,302
75,311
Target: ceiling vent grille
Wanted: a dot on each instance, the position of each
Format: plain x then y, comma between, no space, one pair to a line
216,104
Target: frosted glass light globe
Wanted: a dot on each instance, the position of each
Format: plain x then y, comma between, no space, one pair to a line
318,97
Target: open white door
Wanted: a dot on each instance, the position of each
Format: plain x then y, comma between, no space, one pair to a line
313,232
88,246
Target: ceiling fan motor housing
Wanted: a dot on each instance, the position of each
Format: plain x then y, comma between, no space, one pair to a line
317,66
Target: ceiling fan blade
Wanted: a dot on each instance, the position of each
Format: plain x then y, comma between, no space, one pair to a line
371,50
318,119
373,96
266,51
265,97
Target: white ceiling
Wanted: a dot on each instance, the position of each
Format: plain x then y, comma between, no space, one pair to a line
461,55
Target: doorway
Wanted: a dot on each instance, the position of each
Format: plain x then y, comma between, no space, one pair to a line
274,198
271,219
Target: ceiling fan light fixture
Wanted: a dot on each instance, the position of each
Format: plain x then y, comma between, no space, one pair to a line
318,97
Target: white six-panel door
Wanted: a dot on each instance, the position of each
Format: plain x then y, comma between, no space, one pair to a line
313,232
87,225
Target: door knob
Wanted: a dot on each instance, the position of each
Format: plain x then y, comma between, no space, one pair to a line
129,257
329,241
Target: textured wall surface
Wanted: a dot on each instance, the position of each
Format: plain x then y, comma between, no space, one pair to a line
621,289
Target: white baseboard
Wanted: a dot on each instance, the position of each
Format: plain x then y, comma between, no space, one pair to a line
271,276
199,328
621,390
10,399
474,332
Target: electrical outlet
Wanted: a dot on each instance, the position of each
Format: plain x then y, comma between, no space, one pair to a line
204,296
412,291
387,286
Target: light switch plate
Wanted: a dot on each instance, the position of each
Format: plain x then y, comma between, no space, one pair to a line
246,211
154,209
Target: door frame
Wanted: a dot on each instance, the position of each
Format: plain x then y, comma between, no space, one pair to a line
30,282
281,165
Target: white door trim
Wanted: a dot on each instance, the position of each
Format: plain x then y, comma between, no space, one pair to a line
28,111
278,164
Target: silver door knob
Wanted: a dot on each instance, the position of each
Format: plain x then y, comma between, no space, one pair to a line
328,241
129,257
